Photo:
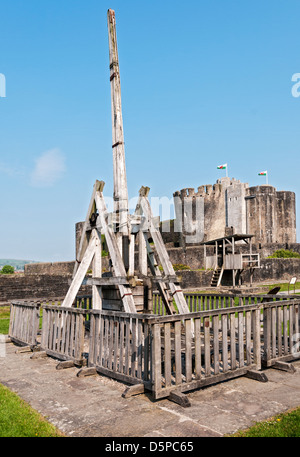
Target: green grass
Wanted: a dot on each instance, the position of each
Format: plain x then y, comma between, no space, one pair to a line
286,425
18,419
283,286
4,320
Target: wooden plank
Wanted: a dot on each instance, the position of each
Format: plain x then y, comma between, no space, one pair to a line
80,273
291,328
248,336
177,347
167,353
121,346
197,348
139,349
116,344
285,330
279,330
110,342
241,339
136,389
143,267
188,350
273,332
127,345
99,359
267,334
256,338
134,348
224,319
92,339
97,270
131,255
107,281
156,358
216,344
232,342
180,398
207,364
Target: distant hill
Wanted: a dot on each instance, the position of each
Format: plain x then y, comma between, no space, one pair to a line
17,264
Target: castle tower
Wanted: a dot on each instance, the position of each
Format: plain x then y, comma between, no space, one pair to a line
232,207
271,215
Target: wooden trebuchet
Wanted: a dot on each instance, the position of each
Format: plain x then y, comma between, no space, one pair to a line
123,232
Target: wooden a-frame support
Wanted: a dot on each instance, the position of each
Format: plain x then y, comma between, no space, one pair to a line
143,226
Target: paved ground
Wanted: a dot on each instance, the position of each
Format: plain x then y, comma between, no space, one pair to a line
93,406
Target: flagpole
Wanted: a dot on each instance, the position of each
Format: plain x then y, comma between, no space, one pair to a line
266,177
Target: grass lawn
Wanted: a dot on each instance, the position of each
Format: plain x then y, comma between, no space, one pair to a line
286,425
283,287
18,419
4,319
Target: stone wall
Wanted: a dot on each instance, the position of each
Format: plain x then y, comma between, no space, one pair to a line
22,287
52,269
275,270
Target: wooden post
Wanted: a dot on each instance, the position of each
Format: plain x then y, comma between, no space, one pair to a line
119,168
97,271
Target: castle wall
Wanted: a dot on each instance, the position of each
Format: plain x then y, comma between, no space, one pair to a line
286,217
209,213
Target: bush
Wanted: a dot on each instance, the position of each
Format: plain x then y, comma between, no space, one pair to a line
284,254
7,270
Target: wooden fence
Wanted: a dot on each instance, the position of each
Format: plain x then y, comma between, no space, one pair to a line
119,345
280,331
63,333
201,301
222,338
24,323
225,344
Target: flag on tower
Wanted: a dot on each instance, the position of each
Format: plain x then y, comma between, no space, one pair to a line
262,173
222,167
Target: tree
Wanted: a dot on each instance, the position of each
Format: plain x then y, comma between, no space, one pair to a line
7,270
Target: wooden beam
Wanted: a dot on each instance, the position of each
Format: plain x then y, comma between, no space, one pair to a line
179,398
107,281
98,186
97,271
135,389
119,168
80,273
115,255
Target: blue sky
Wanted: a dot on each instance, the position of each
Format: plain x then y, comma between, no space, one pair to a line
203,83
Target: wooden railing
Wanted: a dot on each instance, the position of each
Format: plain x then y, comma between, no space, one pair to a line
280,331
223,337
24,323
119,345
225,344
63,333
205,301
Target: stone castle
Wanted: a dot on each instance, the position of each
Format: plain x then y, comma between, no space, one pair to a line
229,207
